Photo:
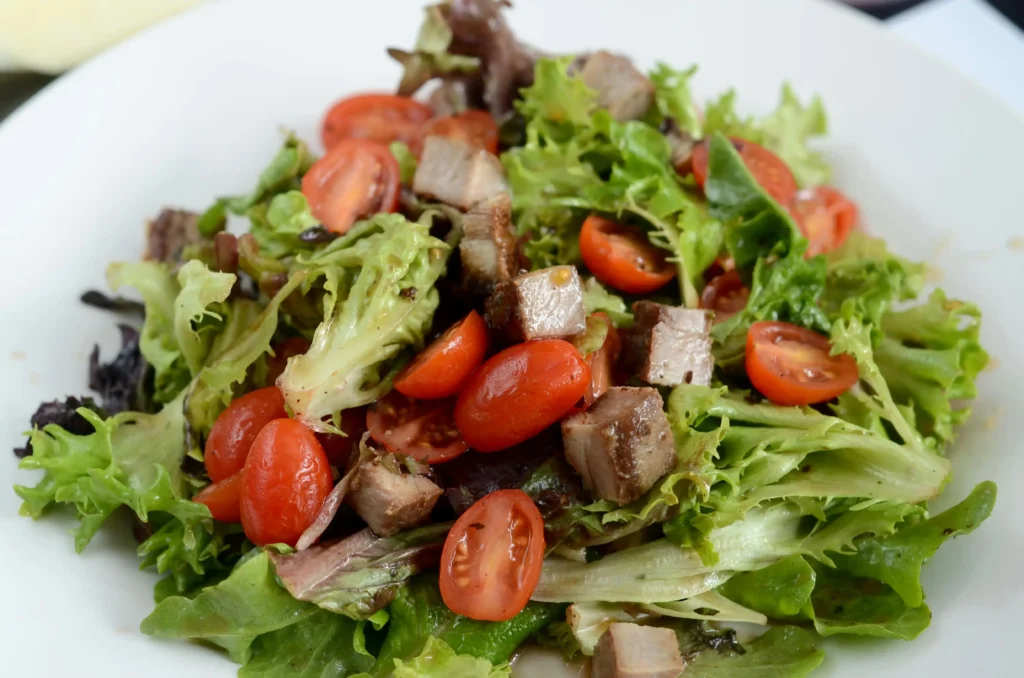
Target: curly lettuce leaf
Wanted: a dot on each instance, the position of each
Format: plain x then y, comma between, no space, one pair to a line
201,288
597,298
284,173
673,98
720,117
439,660
379,302
277,224
430,57
781,652
131,459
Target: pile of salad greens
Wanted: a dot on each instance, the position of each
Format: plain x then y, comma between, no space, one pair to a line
810,521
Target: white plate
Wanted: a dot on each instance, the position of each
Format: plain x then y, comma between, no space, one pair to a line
191,109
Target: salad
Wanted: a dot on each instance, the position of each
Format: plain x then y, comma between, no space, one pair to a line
552,355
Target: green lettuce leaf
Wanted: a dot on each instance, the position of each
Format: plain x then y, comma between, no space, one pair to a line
233,613
787,130
371,320
780,591
318,646
597,298
439,660
430,57
284,173
782,652
131,459
276,224
406,161
897,560
200,289
720,117
673,98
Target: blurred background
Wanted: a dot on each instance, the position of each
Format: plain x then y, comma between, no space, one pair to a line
40,39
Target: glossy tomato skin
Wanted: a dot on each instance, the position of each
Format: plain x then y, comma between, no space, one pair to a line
492,557
519,392
623,257
223,499
355,180
826,218
726,295
283,350
236,428
381,118
791,365
439,370
475,127
422,429
767,168
284,483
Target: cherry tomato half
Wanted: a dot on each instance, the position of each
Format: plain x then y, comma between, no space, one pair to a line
476,128
284,350
223,499
236,428
726,295
439,370
519,392
791,365
382,118
492,557
825,217
422,429
623,257
767,168
284,484
354,180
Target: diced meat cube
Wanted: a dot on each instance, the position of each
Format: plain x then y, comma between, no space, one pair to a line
622,445
390,502
454,172
621,88
669,345
488,246
169,233
540,304
635,651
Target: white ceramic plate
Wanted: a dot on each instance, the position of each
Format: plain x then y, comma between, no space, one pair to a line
191,110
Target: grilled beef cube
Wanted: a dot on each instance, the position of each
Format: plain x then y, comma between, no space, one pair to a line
168,234
540,304
621,88
635,651
622,445
390,502
488,246
456,173
668,345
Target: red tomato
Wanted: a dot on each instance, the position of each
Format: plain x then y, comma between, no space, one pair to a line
791,365
622,256
767,168
232,434
340,448
601,363
726,295
354,180
422,429
519,392
382,118
476,128
285,482
284,350
825,217
223,499
439,370
491,561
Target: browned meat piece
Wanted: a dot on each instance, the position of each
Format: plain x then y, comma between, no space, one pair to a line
621,88
635,651
169,233
622,445
454,172
451,97
682,144
669,345
390,502
540,304
488,246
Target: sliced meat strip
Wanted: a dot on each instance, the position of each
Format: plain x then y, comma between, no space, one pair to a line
621,88
488,246
456,173
169,233
541,304
635,651
622,445
390,502
669,345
